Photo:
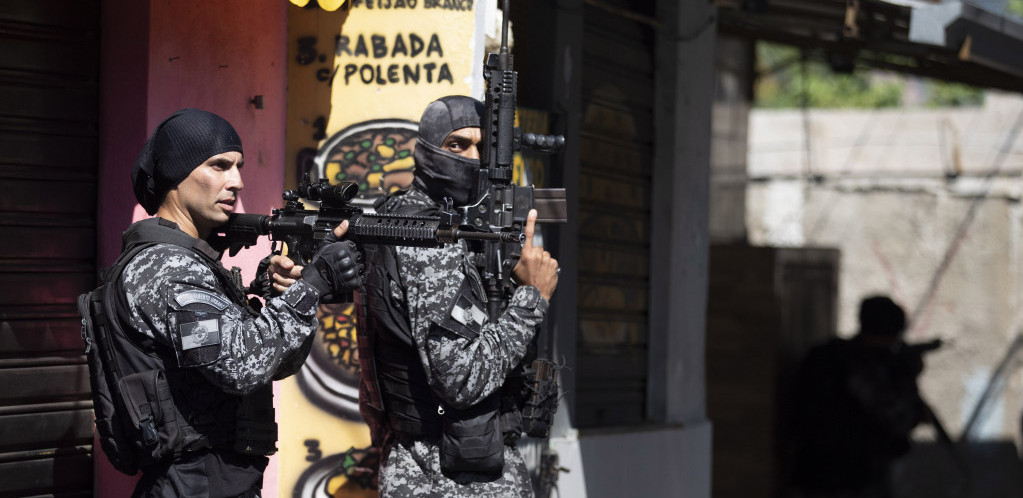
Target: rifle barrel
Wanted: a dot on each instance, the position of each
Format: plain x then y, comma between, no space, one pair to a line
504,28
456,234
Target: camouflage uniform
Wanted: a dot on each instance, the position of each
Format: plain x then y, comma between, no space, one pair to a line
460,372
217,351
254,349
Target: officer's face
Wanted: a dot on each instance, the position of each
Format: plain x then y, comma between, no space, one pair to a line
209,193
464,142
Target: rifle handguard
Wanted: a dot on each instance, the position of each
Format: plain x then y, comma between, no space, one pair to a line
417,231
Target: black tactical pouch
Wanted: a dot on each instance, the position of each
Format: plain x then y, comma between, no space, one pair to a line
255,430
114,437
147,398
472,439
541,399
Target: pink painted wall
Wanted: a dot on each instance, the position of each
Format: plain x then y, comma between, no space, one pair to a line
161,55
124,63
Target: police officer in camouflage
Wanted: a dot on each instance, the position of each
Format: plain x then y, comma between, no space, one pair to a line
437,384
190,331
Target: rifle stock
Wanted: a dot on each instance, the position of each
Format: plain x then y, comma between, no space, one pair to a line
550,205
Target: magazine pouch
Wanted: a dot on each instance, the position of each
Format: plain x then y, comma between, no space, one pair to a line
151,415
472,440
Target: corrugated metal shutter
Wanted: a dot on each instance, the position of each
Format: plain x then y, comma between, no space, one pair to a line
614,214
49,65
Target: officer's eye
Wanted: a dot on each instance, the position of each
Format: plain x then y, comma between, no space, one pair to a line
455,145
221,165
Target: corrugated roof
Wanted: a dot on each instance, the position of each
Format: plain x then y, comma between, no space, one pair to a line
954,41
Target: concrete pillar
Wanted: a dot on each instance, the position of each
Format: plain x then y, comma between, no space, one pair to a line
679,240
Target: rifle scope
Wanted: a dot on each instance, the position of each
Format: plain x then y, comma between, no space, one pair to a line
339,194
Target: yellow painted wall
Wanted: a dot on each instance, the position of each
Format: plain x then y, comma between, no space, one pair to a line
358,80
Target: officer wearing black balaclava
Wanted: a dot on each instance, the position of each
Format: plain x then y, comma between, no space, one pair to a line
447,154
434,388
195,359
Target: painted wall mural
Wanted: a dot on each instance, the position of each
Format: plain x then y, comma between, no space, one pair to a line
376,154
358,80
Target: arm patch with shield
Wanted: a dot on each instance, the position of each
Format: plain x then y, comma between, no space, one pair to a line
196,324
468,314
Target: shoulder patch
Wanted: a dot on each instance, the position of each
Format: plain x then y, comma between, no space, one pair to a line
467,315
466,312
203,297
198,334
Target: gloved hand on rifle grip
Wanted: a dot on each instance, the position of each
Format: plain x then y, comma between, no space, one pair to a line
262,285
335,270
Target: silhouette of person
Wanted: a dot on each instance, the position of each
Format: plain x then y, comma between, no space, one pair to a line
855,403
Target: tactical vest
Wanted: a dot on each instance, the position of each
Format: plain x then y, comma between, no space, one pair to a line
148,410
394,384
394,389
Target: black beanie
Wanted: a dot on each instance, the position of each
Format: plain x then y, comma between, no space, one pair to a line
178,145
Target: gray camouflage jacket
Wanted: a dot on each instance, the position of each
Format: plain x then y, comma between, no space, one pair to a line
238,352
460,371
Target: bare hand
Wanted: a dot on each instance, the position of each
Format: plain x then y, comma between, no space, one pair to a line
536,267
284,272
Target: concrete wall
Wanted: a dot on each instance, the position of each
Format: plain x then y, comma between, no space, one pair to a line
925,206
732,101
670,461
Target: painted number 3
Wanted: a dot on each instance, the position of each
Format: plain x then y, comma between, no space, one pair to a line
314,452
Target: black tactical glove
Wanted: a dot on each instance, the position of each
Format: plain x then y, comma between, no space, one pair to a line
335,271
261,285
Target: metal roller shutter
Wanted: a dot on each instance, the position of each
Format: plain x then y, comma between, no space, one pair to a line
614,213
49,65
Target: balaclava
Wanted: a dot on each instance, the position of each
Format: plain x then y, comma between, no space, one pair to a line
440,173
178,145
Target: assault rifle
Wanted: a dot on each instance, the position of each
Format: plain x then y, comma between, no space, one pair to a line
501,206
497,218
302,229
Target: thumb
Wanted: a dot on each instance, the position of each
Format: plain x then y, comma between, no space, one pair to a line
341,229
